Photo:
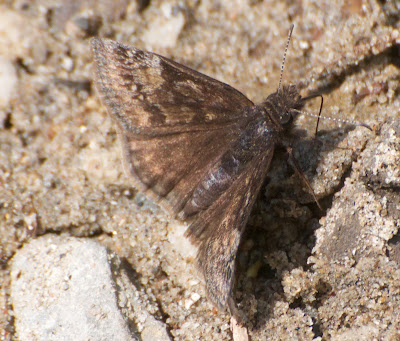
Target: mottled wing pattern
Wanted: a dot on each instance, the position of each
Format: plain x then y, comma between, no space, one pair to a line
151,94
217,231
174,122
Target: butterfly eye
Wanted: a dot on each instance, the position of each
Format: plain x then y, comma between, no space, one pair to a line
286,118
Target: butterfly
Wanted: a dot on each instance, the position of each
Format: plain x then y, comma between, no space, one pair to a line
197,146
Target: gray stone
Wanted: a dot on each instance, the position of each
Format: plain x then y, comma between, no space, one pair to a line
65,288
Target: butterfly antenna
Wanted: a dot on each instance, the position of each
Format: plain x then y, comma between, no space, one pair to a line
354,123
284,56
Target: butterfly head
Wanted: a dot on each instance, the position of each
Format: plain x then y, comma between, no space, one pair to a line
283,104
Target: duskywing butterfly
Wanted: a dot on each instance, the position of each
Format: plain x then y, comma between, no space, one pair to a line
197,146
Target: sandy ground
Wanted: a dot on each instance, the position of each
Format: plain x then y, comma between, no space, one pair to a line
302,273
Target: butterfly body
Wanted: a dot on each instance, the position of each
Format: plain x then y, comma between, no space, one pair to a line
197,146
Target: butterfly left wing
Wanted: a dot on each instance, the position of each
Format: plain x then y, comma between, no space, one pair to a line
174,122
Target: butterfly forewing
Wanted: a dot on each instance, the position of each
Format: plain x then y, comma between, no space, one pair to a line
150,94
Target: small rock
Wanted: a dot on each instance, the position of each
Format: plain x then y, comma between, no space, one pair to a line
65,288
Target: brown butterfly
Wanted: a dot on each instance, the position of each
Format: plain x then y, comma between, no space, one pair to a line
197,146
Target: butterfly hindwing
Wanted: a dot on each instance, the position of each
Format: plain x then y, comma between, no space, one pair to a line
217,231
168,167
